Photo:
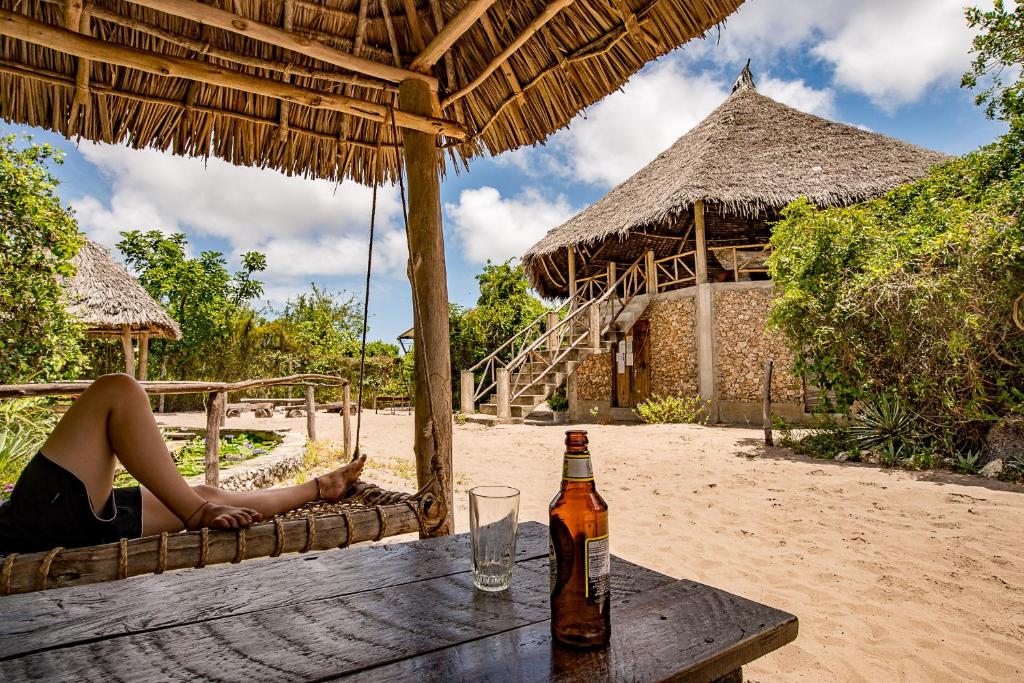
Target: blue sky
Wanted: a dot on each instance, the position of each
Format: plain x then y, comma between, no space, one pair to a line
892,67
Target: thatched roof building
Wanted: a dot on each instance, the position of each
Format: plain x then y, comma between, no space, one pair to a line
749,158
111,303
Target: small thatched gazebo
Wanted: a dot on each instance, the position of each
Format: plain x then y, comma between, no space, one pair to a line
693,226
339,89
111,303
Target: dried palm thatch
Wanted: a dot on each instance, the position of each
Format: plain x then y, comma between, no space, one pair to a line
750,157
107,299
303,85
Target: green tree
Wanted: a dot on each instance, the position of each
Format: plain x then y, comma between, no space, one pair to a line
998,54
207,300
39,340
323,329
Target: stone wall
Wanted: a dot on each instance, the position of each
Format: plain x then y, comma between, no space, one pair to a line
743,345
673,346
594,378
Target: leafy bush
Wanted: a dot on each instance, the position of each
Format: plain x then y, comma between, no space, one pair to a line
910,297
673,410
24,426
968,463
558,401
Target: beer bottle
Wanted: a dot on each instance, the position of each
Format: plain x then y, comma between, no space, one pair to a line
580,567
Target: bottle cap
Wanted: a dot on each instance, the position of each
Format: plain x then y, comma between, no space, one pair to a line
576,441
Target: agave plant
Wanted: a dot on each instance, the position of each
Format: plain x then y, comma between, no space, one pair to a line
883,420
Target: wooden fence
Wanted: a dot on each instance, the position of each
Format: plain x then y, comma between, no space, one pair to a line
216,404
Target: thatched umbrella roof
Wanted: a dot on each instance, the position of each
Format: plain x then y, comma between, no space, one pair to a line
106,298
751,156
302,85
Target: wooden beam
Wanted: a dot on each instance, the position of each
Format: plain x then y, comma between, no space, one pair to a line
452,31
412,18
215,401
392,36
702,249
449,63
571,256
76,18
129,352
492,38
143,373
433,422
15,25
310,413
287,17
537,24
228,21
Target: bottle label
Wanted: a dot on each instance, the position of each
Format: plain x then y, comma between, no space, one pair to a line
577,468
598,568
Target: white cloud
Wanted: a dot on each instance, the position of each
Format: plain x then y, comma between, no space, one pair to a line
894,52
497,228
626,130
799,95
306,227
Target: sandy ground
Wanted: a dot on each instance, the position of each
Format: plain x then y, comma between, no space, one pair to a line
895,576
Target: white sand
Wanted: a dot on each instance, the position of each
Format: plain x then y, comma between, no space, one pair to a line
895,576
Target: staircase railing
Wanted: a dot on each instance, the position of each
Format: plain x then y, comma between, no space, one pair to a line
632,281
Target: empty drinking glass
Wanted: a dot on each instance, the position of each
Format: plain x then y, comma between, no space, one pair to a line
493,517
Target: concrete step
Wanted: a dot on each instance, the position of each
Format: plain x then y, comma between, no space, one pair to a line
489,420
492,409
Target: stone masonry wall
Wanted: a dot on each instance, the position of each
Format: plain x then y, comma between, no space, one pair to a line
594,378
673,347
743,346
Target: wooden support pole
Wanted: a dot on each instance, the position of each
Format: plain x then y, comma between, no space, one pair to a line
702,248
20,27
466,391
433,423
346,420
766,406
595,327
129,352
143,373
572,390
504,405
571,256
652,272
214,403
310,413
613,273
228,21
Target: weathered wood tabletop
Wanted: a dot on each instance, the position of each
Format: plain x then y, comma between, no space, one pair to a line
405,611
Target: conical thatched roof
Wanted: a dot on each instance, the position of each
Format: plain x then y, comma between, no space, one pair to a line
303,85
750,156
106,298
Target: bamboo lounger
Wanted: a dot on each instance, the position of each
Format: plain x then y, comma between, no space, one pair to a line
365,513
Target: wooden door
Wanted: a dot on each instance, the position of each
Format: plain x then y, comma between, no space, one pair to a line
621,384
641,367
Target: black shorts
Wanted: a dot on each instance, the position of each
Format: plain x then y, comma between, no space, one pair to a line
50,507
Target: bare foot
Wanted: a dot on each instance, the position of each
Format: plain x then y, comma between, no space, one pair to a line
334,484
215,516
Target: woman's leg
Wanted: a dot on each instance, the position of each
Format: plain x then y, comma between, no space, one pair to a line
156,518
112,420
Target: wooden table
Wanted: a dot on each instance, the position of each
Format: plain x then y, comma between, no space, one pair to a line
405,611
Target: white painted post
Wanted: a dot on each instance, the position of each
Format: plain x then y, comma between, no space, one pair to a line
466,391
504,395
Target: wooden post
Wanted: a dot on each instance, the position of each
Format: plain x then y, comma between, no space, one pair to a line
433,423
214,403
552,323
310,414
571,255
346,419
652,272
504,404
129,352
766,406
163,376
702,248
143,357
613,273
595,328
572,390
466,391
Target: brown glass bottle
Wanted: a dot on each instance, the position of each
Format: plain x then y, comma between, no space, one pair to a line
580,569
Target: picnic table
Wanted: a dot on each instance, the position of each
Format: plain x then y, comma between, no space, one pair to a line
405,611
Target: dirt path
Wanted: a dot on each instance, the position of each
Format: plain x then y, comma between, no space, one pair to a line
895,576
